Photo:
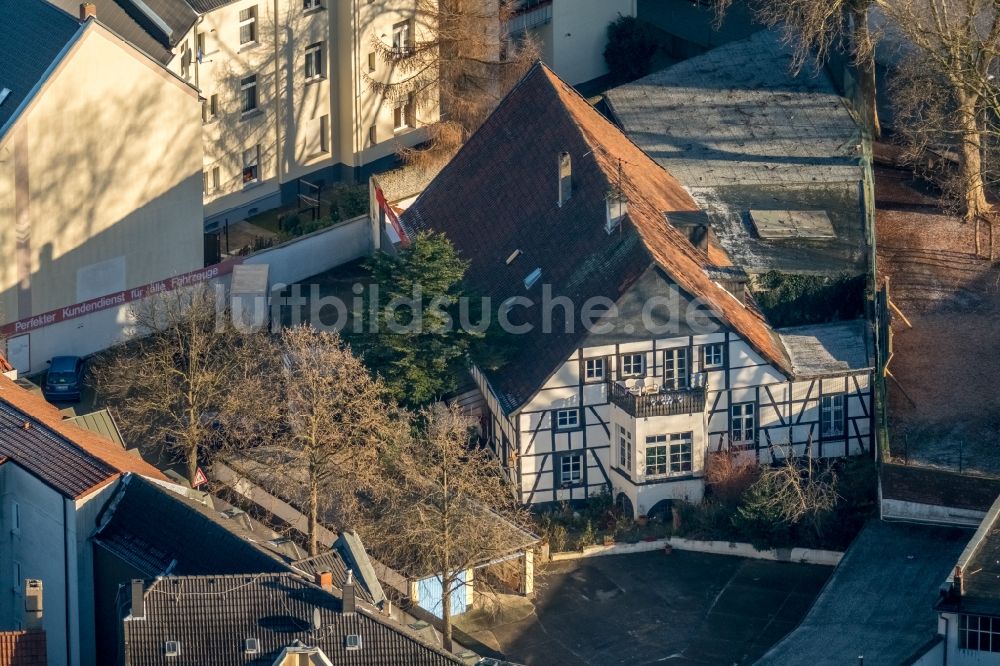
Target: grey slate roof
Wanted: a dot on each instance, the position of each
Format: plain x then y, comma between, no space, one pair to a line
32,35
112,15
212,616
740,132
158,532
829,348
879,602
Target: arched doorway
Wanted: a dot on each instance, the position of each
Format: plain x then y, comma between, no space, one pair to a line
624,505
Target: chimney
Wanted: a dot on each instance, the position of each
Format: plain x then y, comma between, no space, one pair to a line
138,607
32,604
88,10
565,178
325,580
348,602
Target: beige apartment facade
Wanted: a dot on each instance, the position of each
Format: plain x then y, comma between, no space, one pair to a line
88,209
286,97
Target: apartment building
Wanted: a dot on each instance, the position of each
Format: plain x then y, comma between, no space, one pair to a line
287,101
100,181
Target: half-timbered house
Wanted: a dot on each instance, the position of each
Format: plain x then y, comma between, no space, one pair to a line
639,349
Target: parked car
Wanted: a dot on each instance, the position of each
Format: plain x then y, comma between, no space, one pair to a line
64,381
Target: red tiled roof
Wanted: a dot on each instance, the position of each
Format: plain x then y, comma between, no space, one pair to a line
23,648
499,195
72,460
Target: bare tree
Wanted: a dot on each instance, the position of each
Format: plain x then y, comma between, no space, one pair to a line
947,95
796,488
308,422
460,58
169,383
445,507
815,28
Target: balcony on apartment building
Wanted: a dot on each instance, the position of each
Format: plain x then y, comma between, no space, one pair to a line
646,397
529,14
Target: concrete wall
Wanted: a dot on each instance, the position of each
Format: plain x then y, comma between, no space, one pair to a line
579,34
893,509
317,252
100,181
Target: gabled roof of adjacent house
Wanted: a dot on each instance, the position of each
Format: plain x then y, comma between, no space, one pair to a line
71,460
152,26
159,532
499,195
743,133
879,602
975,577
113,15
33,34
212,616
23,648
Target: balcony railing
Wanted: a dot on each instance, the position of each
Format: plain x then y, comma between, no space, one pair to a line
661,403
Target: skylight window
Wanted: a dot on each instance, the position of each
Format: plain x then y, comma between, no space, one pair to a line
532,278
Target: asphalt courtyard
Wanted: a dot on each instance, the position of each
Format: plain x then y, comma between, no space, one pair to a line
649,608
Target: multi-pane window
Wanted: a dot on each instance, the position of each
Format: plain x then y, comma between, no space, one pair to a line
712,355
314,61
402,36
567,418
593,369
675,368
213,180
632,365
403,115
979,632
743,422
210,108
248,25
624,448
248,94
831,414
324,134
251,165
668,454
570,468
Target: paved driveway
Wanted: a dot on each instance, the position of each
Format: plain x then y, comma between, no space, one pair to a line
683,608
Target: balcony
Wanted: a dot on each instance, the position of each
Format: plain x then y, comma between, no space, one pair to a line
660,403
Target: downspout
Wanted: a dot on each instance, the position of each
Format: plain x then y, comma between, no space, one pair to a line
277,101
359,137
947,632
69,624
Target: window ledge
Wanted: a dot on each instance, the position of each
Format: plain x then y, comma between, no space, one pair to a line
249,46
247,115
402,130
313,10
315,79
253,184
